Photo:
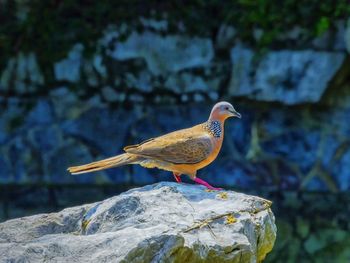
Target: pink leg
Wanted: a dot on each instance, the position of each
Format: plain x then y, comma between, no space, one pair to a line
202,182
177,177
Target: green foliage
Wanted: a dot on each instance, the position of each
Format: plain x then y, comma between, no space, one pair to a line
311,227
322,25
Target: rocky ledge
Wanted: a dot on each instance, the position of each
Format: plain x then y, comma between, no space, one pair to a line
165,222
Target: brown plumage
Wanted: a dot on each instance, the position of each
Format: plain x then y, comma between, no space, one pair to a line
181,152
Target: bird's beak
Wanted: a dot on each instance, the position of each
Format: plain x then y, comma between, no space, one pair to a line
235,114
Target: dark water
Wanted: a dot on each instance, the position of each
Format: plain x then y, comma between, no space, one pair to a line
312,226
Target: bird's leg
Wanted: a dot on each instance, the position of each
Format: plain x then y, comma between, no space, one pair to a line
202,182
177,177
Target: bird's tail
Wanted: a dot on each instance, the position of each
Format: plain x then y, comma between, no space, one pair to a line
115,161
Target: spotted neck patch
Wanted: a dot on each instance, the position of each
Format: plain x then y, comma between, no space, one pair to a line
214,128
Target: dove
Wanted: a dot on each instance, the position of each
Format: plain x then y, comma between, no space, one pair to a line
182,152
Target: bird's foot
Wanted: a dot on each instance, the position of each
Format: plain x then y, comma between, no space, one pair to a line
202,182
177,177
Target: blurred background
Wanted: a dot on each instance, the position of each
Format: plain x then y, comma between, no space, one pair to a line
81,79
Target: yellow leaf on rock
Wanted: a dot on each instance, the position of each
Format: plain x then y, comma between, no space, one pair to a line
84,224
230,219
223,195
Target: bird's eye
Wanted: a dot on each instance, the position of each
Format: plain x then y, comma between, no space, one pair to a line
226,108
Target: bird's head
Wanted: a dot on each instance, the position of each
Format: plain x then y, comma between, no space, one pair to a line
223,110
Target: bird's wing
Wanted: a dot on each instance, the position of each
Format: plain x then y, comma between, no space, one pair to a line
180,147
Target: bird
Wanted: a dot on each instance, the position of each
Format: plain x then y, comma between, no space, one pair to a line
182,152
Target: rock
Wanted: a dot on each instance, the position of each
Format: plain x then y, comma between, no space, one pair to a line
109,94
5,171
225,36
258,34
164,222
339,42
142,81
298,146
17,152
165,54
99,66
324,41
141,176
45,139
111,125
93,69
12,116
66,155
239,172
41,114
157,25
69,68
332,39
290,77
66,104
22,74
185,82
347,36
295,33
342,172
90,74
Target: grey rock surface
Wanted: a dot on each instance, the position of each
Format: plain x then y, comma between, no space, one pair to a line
69,68
287,76
22,73
165,54
347,36
165,222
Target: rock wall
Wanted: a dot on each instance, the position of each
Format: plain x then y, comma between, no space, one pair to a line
294,133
